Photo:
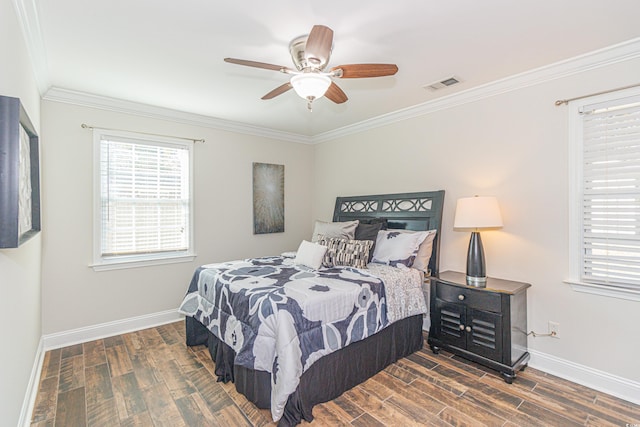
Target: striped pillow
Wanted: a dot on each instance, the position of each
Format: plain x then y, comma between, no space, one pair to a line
343,252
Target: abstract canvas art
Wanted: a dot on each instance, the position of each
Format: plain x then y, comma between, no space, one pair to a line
268,198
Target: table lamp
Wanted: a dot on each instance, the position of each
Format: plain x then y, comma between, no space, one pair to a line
477,213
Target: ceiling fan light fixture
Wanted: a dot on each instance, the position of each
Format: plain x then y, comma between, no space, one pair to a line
310,86
310,54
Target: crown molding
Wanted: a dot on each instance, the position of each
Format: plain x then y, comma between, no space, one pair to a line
27,14
625,51
621,52
129,107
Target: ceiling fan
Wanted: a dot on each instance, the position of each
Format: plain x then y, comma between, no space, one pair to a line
310,54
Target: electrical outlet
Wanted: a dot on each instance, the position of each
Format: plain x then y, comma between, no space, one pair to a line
554,329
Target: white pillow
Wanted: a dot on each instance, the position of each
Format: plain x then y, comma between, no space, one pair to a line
424,251
310,255
342,230
394,247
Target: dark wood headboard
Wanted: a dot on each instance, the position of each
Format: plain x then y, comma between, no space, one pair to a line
409,211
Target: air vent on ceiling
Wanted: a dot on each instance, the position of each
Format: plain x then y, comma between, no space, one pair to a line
450,81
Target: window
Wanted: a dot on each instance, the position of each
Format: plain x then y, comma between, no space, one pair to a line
142,200
605,190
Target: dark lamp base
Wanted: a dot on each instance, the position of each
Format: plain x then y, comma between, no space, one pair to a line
476,270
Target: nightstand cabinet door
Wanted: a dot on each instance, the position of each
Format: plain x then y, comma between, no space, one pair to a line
485,336
449,321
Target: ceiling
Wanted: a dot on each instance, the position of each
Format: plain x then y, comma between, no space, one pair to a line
170,54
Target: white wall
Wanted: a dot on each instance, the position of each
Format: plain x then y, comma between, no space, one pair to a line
20,326
513,146
74,295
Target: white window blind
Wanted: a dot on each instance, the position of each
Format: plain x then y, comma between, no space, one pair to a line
611,193
144,199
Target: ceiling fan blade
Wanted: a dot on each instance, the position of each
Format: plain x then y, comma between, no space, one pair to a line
319,43
336,94
354,71
258,65
278,91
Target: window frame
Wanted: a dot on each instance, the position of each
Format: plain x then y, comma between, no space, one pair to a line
101,263
575,169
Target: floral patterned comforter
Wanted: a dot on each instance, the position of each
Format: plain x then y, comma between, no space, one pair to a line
280,317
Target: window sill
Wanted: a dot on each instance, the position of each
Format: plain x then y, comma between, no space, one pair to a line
607,291
135,263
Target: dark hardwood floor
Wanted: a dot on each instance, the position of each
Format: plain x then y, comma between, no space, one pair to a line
150,378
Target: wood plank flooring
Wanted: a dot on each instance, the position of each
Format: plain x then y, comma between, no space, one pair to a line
150,378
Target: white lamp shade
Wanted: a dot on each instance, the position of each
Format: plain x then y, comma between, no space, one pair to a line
310,85
477,212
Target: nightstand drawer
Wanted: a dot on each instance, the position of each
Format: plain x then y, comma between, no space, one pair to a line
487,301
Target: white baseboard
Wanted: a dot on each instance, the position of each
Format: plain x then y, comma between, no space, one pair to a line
602,381
109,329
32,387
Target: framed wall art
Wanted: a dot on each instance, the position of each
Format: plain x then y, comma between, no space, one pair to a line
19,175
268,198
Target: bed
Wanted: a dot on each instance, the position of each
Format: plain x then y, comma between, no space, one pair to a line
331,350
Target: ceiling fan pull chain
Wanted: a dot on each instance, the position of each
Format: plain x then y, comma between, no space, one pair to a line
309,101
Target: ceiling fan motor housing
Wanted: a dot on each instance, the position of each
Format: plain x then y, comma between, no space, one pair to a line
297,50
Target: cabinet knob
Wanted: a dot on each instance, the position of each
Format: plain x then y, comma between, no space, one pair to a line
461,297
468,329
461,327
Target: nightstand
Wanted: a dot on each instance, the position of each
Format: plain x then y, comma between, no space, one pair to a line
487,325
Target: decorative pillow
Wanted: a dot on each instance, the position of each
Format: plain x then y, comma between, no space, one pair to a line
343,230
424,251
395,247
368,232
310,255
352,253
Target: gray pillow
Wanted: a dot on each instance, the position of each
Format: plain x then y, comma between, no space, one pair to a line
368,232
384,223
342,230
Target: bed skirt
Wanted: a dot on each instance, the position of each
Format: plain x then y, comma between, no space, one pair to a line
326,379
